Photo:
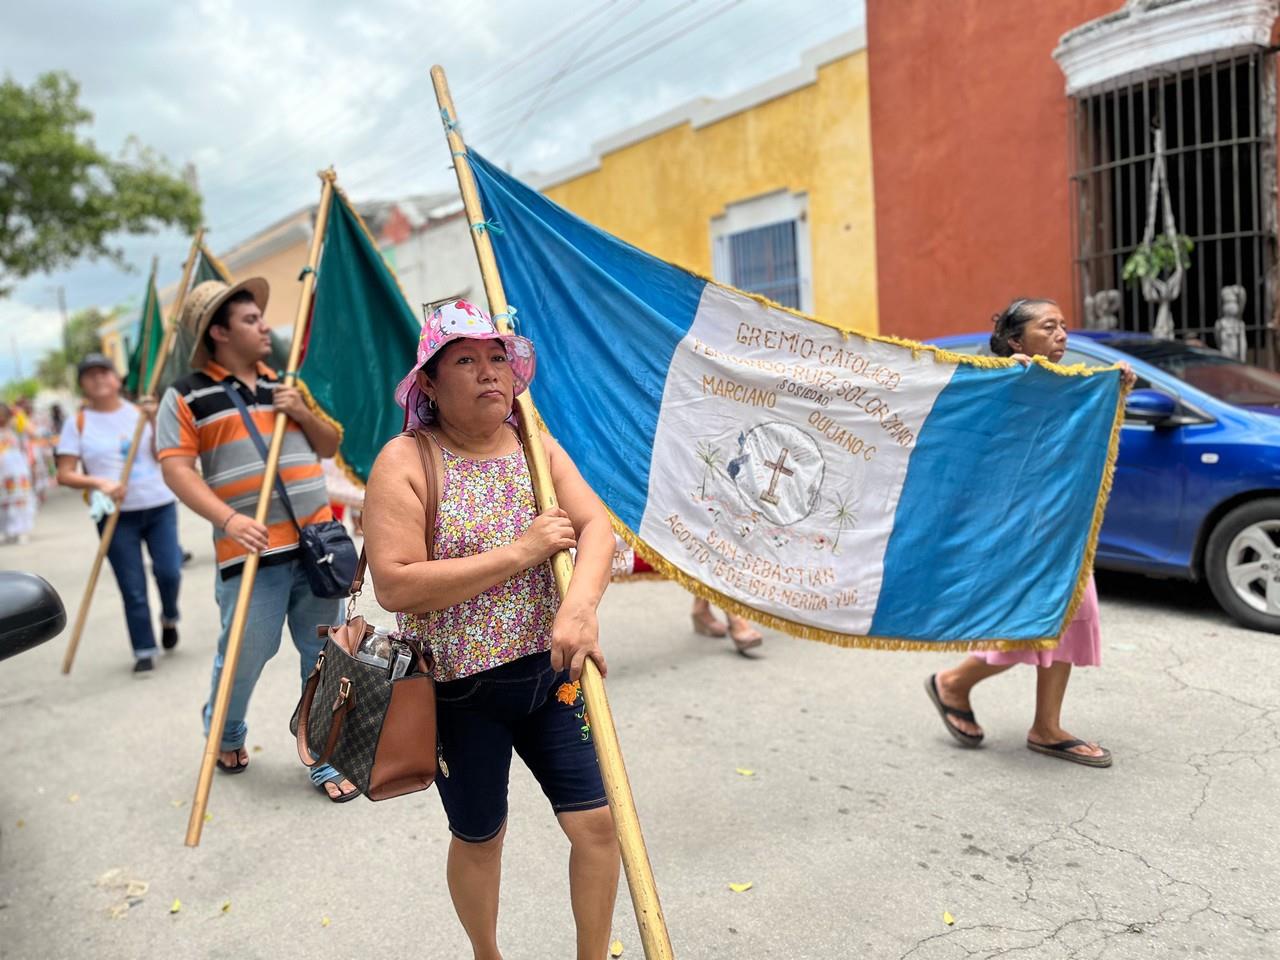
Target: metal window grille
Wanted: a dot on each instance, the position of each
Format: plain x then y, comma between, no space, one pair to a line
1219,123
765,261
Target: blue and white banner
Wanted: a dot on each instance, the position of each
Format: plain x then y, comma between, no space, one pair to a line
850,488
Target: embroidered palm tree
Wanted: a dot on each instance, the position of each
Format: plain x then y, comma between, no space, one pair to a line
710,457
845,515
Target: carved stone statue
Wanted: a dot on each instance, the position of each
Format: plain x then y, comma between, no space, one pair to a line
1102,310
1230,332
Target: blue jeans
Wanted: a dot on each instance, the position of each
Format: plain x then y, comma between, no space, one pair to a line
280,593
158,527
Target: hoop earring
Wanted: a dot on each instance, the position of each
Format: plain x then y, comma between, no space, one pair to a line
431,406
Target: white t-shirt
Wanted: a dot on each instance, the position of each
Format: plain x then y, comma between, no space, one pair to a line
105,445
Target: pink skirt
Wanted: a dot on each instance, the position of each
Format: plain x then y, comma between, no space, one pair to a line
1081,643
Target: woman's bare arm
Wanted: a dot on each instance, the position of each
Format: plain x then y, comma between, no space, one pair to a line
576,634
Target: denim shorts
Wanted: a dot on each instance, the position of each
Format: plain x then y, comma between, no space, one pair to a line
524,706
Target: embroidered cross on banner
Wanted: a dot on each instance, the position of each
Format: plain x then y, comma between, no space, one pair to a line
779,468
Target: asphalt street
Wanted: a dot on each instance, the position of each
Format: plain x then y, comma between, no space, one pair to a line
821,776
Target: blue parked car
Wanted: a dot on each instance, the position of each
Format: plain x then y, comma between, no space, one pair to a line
1197,483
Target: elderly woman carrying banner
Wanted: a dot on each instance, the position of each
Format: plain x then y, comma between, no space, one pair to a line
1025,329
507,650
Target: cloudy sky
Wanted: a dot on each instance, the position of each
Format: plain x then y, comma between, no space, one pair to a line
260,96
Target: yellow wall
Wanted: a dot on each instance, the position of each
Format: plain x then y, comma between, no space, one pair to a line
281,271
661,193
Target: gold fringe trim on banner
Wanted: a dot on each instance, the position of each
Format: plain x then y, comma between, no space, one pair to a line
314,406
804,630
1099,509
939,354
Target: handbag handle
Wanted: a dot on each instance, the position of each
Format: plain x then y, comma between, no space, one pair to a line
335,724
429,503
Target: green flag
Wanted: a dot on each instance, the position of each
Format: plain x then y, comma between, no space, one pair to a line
150,336
207,267
362,339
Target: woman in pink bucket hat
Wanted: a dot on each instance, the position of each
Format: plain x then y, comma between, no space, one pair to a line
476,587
445,324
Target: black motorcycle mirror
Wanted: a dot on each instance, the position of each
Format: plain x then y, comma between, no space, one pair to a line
31,612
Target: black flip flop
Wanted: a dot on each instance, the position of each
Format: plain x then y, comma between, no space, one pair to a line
1062,750
341,797
962,738
237,768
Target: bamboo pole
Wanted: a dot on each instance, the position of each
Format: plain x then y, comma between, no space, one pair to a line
109,531
635,858
231,658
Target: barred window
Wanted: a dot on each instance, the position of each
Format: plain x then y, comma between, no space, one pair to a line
1218,119
764,261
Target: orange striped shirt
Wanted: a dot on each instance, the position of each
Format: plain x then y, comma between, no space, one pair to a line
198,419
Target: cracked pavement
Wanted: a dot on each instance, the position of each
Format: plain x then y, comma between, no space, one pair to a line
862,824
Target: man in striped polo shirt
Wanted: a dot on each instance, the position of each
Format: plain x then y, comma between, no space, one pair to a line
198,419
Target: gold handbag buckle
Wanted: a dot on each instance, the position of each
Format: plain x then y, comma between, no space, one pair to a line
344,689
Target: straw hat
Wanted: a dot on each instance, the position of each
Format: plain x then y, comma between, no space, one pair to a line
203,302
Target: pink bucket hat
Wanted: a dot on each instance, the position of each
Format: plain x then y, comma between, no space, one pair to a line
455,321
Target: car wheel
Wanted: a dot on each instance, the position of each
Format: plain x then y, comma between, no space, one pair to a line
1242,564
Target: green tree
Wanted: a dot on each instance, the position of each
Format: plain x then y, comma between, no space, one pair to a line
55,368
61,198
16,389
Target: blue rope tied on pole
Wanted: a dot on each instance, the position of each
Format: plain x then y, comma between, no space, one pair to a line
449,124
510,315
492,226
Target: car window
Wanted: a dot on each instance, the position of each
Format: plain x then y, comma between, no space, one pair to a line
1216,374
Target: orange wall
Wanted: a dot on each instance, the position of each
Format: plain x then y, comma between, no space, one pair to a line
969,151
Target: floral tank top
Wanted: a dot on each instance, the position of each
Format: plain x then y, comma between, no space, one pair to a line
486,504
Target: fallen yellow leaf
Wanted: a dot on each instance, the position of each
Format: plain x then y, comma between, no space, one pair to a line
744,772
947,918
137,889
615,948
324,921
226,906
175,906
21,824
257,749
73,798
176,803
741,887
208,818
119,911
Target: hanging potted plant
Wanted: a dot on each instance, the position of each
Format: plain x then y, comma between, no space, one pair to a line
1158,263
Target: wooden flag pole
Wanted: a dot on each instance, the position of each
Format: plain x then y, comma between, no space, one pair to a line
109,531
635,859
231,657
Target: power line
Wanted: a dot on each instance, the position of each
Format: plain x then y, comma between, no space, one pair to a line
493,122
678,34
568,67
673,35
501,70
528,53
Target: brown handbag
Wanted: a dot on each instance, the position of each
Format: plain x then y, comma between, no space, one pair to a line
378,732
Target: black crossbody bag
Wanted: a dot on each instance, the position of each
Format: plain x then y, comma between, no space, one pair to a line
327,553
